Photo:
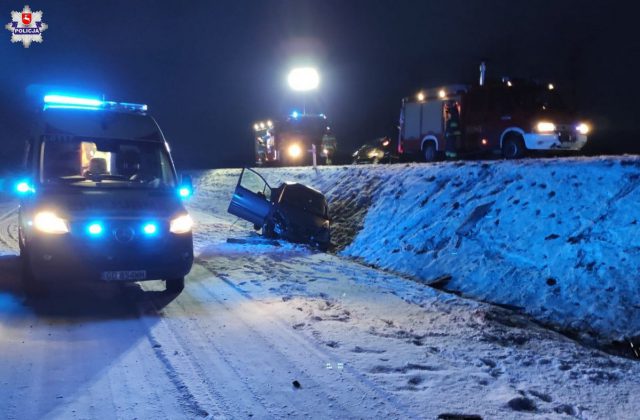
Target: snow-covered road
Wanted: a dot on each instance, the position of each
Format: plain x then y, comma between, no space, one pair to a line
268,330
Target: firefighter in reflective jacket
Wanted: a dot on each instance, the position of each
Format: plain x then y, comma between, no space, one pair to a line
452,133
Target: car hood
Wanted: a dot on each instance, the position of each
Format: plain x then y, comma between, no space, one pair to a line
79,203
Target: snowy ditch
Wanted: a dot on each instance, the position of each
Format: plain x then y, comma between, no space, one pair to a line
558,238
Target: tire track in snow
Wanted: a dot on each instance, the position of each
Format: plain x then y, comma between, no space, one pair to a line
285,342
180,371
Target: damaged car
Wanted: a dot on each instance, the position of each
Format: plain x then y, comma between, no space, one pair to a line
380,150
292,211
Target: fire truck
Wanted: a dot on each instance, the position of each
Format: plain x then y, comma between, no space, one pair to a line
292,142
507,117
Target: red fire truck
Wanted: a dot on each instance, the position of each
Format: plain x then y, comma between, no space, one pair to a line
292,141
510,117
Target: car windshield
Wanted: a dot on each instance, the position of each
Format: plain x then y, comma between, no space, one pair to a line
88,162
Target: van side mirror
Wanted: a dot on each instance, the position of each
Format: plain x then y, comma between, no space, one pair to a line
185,190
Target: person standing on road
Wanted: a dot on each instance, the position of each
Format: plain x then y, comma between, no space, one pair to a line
452,133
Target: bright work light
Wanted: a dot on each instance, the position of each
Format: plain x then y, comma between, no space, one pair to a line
303,79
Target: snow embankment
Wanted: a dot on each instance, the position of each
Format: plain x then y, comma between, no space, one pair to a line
557,237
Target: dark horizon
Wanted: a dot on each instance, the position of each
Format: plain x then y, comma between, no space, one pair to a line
209,70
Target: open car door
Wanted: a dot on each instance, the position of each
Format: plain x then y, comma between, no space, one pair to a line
251,198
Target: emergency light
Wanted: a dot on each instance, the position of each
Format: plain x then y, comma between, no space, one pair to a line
150,229
95,229
24,187
184,192
74,102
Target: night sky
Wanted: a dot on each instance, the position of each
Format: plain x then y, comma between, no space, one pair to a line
208,70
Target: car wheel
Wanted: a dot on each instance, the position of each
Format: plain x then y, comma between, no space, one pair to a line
513,147
429,152
174,285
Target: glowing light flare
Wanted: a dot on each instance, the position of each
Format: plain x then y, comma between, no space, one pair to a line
24,187
420,96
95,229
546,127
303,79
294,151
442,94
70,100
181,224
150,229
49,222
583,128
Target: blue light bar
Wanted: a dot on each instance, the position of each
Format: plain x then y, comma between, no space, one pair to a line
184,192
74,102
24,188
70,100
295,114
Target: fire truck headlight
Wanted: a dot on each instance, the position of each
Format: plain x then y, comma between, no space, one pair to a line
294,151
546,127
583,128
48,222
181,224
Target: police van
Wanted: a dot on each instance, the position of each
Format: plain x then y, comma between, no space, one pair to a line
100,198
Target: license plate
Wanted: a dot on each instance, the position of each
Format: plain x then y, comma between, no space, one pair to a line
123,275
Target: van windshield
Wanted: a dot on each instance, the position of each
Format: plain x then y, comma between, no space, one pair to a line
89,162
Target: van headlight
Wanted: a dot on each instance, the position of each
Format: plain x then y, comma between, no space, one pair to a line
49,222
294,151
181,224
546,127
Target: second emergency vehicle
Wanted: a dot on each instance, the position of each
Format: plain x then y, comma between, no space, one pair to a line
509,117
293,141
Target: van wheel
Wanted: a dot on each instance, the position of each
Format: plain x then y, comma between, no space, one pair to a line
174,285
513,147
429,152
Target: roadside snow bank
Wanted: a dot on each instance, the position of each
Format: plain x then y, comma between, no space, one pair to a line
557,237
